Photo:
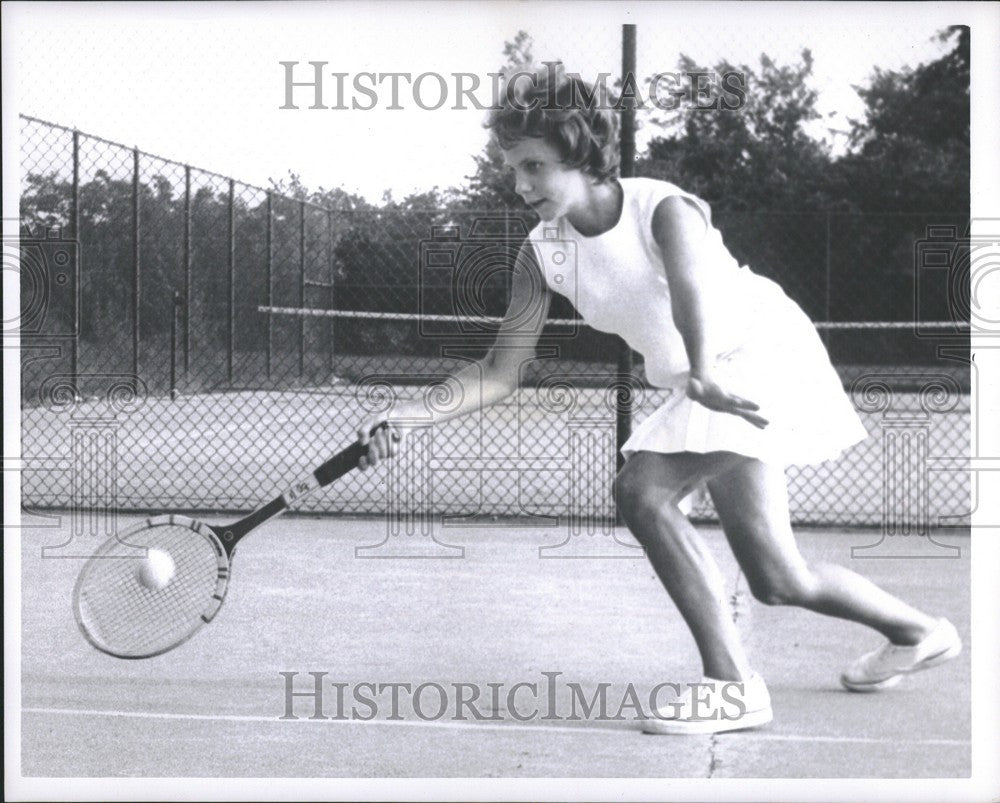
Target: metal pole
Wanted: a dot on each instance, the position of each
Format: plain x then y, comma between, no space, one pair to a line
829,267
268,270
187,269
135,263
173,344
77,278
332,274
628,110
302,286
623,416
269,266
508,275
231,261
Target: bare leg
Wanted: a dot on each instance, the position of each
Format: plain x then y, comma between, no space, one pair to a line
752,501
648,490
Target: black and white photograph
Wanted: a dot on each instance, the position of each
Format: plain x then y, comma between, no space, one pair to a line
501,400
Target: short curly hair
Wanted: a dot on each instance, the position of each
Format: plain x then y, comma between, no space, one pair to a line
575,117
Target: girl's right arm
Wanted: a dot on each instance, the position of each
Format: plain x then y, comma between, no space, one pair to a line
480,384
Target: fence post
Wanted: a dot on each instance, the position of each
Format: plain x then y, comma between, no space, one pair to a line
623,417
302,287
187,268
508,275
174,312
77,278
135,262
270,300
333,295
827,335
231,261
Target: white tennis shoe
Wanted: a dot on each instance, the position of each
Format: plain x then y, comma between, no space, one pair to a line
713,706
884,668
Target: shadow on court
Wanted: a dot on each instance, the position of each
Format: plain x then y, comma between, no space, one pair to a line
301,602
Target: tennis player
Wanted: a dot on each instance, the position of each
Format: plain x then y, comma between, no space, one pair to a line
751,391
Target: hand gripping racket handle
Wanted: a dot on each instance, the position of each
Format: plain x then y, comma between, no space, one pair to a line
344,461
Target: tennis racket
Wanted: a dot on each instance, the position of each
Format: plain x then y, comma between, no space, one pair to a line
123,616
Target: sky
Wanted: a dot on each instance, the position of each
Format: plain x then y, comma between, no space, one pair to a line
203,83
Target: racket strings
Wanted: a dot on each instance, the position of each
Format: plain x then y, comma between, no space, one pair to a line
130,619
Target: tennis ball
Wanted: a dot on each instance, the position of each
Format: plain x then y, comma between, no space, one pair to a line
156,570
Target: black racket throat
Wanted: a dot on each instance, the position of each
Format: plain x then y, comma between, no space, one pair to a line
229,535
333,469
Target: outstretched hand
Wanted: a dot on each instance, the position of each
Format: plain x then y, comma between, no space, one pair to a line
710,395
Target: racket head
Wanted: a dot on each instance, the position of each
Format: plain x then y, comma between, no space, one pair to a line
121,616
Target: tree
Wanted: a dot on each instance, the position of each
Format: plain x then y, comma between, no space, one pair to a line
908,168
756,157
491,187
765,177
911,152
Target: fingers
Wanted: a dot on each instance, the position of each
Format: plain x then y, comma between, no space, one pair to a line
746,410
758,421
723,402
740,403
381,444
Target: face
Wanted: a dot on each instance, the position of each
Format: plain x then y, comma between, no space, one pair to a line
547,185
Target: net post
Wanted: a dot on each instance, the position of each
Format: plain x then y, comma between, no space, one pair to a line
75,224
187,268
135,263
268,271
623,417
302,286
231,264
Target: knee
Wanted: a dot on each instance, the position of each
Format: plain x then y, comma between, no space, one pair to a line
640,499
786,588
630,493
634,489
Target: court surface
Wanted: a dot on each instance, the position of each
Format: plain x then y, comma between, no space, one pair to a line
301,601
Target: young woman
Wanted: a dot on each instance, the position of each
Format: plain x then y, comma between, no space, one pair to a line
751,391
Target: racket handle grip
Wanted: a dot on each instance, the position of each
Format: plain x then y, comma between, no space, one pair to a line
344,461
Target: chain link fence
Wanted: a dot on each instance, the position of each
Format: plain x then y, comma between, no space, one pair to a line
158,373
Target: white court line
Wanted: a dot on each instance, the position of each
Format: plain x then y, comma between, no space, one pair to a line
410,723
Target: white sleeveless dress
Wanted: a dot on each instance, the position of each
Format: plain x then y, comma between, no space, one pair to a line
766,349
